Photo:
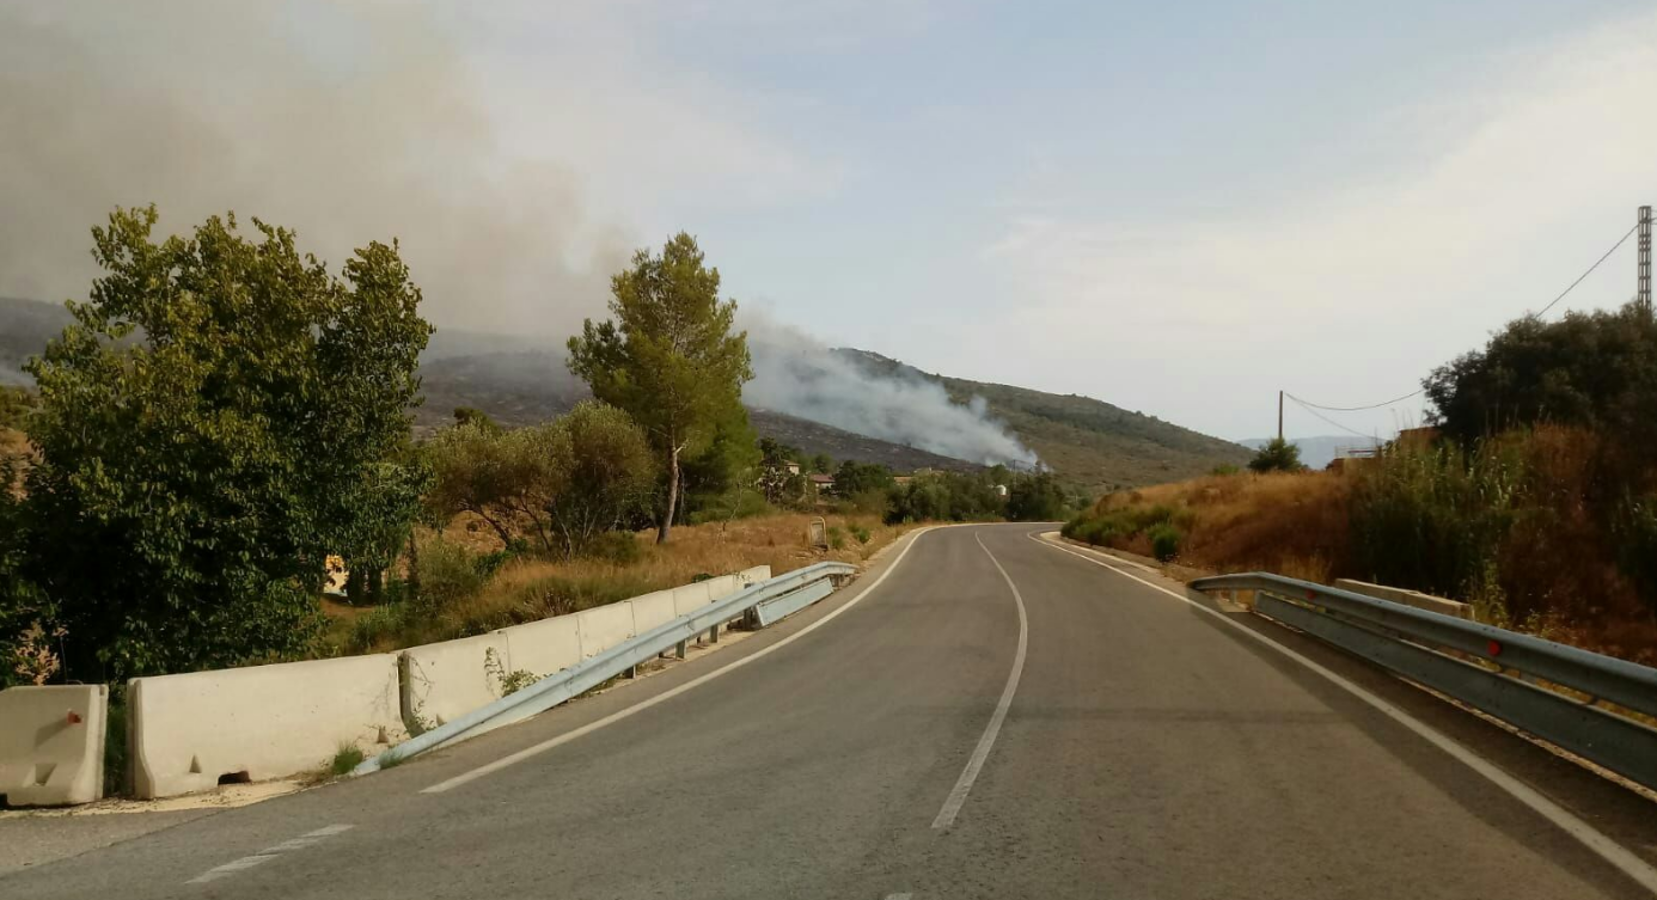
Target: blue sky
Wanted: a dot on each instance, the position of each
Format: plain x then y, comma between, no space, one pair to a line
1178,208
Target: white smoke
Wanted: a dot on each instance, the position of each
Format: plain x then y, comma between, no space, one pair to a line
796,374
348,122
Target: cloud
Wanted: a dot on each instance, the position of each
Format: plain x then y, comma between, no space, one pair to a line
1509,189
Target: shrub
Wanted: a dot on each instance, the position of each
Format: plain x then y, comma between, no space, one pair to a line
861,533
448,574
1224,469
1165,540
1277,456
836,537
619,547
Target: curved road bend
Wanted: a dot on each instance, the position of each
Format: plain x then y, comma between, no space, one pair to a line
1136,748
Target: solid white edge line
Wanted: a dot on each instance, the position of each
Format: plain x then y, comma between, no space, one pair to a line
641,706
963,786
1612,852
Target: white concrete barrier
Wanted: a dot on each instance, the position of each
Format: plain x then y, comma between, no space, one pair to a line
603,627
1407,597
446,680
690,598
52,744
754,575
654,610
544,647
194,731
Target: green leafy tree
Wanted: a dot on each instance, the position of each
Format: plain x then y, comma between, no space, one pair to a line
717,479
853,478
611,475
16,404
1036,498
471,415
1597,370
670,357
208,428
506,478
1277,456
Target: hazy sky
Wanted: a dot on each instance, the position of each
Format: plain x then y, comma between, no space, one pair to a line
1178,208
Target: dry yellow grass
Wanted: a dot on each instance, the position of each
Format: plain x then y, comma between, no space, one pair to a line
1291,524
530,588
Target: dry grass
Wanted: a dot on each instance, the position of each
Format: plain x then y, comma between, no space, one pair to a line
1291,524
530,588
1558,577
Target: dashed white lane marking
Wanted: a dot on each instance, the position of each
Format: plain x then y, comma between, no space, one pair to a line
904,896
1593,839
958,796
269,853
544,746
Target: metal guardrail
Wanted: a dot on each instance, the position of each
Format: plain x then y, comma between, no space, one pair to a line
767,601
1550,690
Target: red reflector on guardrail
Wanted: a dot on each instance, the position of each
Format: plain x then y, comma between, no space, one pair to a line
1495,649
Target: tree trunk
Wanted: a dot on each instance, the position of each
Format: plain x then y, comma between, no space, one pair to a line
376,585
413,582
356,584
672,496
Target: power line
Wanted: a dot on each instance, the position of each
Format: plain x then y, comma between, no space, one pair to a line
1312,407
1367,437
1309,404
1538,314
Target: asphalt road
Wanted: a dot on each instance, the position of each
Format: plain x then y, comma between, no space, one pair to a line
993,718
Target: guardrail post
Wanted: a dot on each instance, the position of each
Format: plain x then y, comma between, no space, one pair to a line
679,651
713,635
630,672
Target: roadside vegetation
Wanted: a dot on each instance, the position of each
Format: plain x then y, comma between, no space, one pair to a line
224,429
1533,496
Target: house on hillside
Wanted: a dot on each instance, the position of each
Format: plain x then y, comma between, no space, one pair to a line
822,484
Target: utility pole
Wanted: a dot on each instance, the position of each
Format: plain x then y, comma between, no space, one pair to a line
1642,297
1280,415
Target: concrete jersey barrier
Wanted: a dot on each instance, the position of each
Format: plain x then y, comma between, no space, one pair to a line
446,680
1407,597
603,627
194,731
654,610
52,744
545,647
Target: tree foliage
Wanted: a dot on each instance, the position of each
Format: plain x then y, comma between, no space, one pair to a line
669,357
1277,456
210,461
611,476
1036,498
1597,370
506,478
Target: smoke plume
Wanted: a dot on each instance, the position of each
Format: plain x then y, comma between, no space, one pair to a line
347,122
798,375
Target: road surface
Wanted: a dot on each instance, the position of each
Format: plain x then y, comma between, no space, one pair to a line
985,716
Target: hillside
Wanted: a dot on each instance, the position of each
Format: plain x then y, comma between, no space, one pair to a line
1087,441
521,388
25,327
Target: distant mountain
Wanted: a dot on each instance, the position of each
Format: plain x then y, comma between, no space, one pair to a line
1085,440
520,380
25,327
1317,452
523,387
